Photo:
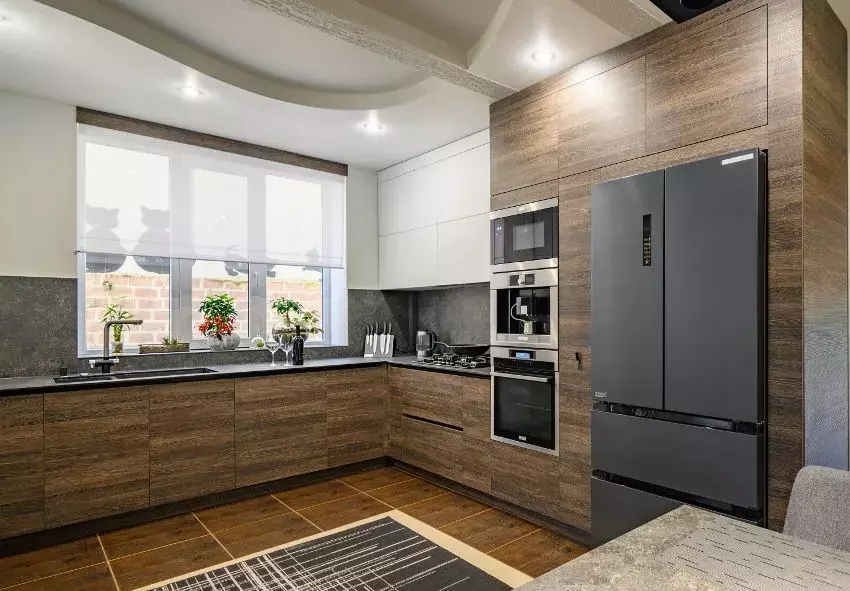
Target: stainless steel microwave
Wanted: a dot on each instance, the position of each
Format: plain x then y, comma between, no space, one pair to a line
524,237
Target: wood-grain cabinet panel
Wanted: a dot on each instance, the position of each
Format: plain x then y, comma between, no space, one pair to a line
430,395
476,459
95,454
191,440
524,146
685,106
21,464
525,478
357,410
602,120
281,426
430,447
574,463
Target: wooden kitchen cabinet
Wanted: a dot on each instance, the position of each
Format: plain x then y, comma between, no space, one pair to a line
525,478
429,395
476,458
524,146
21,464
95,454
191,440
357,407
431,447
281,426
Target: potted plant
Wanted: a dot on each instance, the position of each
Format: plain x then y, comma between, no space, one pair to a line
293,315
166,345
116,311
219,321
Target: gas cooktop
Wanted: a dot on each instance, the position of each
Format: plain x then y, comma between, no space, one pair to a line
466,361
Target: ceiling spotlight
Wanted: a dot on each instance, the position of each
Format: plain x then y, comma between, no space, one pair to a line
544,56
372,125
4,18
191,92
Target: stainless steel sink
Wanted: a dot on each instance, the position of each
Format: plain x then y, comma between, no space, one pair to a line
126,375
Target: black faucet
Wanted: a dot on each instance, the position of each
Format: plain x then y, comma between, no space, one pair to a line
105,364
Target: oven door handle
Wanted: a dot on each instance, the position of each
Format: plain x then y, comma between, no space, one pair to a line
513,376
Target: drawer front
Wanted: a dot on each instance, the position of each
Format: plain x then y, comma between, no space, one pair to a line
709,463
429,395
431,447
618,509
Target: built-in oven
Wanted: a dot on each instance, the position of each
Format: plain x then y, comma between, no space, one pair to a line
524,398
524,237
524,309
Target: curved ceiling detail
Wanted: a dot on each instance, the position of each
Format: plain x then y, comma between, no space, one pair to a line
136,30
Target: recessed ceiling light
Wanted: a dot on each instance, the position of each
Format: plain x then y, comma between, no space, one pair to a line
191,92
372,125
4,18
544,56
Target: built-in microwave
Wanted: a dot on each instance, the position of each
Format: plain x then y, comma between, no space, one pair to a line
524,237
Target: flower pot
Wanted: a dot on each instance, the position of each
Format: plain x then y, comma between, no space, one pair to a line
227,342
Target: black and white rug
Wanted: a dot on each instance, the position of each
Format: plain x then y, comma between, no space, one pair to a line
383,555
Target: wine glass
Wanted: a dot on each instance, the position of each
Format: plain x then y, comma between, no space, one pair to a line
286,343
272,344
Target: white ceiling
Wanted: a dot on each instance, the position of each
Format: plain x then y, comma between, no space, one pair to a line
261,69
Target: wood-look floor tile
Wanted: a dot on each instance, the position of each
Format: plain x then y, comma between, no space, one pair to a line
407,493
367,481
268,533
489,530
167,562
445,509
90,578
344,511
538,553
152,535
20,568
235,514
315,494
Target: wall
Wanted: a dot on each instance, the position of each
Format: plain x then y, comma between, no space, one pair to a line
361,209
457,315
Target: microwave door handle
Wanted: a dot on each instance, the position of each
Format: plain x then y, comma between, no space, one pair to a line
513,376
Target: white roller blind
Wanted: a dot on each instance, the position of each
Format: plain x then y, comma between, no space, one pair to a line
144,196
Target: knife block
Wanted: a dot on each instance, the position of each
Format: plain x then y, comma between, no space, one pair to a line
374,349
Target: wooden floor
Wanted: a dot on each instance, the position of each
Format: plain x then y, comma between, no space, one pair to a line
142,555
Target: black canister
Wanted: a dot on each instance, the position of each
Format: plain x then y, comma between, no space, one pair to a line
297,347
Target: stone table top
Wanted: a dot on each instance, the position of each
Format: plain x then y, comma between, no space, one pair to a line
696,550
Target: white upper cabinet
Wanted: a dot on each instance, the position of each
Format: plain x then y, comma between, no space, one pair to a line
408,259
407,201
463,250
465,185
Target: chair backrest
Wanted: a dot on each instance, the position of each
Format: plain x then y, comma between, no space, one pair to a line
819,510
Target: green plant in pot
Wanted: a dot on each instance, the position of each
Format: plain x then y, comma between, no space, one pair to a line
293,316
219,312
116,311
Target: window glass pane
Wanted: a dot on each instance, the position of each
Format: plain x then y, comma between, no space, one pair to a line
302,284
126,201
293,220
139,285
215,277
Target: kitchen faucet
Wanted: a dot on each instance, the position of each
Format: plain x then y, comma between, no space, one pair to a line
107,362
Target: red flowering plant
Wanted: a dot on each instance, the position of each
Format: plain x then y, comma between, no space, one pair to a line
219,315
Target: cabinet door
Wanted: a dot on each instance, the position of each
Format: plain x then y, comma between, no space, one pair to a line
431,447
463,185
524,146
191,440
408,259
463,251
21,464
709,85
357,401
281,427
476,459
430,395
95,454
409,200
526,478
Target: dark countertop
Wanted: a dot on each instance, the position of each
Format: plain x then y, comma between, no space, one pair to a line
41,384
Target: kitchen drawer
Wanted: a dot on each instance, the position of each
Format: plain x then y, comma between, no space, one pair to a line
710,463
429,395
618,509
431,447
525,478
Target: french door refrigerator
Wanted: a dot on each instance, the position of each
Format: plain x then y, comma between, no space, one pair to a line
678,278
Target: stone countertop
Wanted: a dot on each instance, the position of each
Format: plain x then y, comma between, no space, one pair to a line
39,384
696,550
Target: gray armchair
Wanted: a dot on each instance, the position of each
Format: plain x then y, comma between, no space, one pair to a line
819,509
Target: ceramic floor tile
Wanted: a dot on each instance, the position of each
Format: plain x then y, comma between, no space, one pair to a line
90,578
164,563
315,494
148,536
489,530
235,514
268,533
373,479
445,509
407,493
344,511
37,564
538,553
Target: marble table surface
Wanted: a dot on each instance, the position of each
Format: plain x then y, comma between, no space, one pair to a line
695,550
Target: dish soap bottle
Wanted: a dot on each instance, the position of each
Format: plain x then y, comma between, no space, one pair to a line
297,347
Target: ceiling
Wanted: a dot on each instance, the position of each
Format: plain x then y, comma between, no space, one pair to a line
303,75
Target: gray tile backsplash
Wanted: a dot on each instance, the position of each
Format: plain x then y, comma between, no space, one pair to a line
457,315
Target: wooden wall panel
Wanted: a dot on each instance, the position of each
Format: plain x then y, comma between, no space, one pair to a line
95,454
524,146
711,84
281,426
21,464
538,192
602,120
476,457
191,440
356,415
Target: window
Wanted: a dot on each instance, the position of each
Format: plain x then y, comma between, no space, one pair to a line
162,225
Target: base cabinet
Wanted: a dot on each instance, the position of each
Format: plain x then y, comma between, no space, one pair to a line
95,454
21,464
357,407
476,458
431,447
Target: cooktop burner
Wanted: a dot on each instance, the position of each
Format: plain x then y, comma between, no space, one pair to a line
450,359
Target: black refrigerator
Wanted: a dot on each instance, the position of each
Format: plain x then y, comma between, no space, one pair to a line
678,277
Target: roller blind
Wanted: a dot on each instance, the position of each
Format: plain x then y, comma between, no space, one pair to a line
149,197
